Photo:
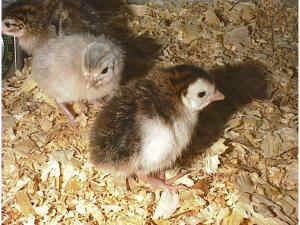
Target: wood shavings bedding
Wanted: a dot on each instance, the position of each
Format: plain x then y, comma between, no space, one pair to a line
48,180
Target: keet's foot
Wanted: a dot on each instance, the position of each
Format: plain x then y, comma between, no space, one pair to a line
162,183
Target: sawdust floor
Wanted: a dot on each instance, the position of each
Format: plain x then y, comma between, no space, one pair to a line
245,170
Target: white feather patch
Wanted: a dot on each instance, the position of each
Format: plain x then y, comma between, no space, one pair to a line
162,144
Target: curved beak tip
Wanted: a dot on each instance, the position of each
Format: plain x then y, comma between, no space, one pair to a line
218,96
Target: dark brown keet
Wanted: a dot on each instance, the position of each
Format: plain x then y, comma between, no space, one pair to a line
78,67
148,124
35,22
30,22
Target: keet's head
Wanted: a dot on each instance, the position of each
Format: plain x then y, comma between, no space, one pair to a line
200,94
194,86
13,27
102,61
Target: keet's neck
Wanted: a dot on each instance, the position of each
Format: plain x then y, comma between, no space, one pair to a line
188,115
30,42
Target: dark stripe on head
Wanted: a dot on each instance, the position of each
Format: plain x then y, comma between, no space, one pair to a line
181,76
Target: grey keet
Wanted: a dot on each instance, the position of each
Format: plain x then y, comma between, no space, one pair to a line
78,67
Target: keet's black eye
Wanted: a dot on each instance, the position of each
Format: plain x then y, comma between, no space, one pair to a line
104,70
201,94
7,24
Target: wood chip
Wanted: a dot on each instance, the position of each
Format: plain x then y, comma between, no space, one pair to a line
24,204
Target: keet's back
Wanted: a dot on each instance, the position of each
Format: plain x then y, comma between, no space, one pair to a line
56,67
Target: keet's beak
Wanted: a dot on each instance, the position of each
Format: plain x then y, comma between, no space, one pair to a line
93,84
89,84
218,96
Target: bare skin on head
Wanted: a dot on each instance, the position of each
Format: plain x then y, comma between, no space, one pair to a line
148,124
60,68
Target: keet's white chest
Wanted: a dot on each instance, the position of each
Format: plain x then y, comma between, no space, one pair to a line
162,144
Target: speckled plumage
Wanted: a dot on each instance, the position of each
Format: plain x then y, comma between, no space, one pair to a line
30,22
35,22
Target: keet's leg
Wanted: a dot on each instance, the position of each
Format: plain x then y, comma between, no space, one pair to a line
67,112
173,179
